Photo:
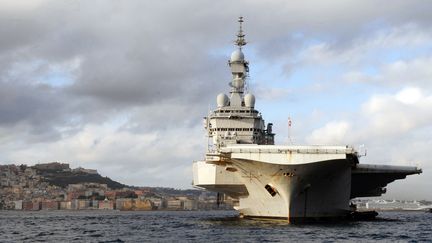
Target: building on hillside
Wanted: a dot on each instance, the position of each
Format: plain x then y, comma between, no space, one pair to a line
120,202
158,203
106,204
75,187
132,204
82,170
110,195
27,205
83,204
18,204
49,205
182,203
94,204
139,193
142,205
189,204
66,205
71,195
52,166
37,204
174,204
74,204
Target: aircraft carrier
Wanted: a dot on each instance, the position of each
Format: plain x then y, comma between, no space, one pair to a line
280,181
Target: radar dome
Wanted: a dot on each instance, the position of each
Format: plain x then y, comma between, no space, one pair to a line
249,100
237,56
222,100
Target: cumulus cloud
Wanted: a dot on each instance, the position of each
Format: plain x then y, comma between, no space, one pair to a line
369,49
383,117
331,133
273,94
399,113
397,73
395,128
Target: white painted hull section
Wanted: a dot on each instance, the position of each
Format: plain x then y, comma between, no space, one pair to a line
313,189
321,189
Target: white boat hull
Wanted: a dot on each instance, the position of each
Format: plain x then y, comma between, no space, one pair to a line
312,190
315,190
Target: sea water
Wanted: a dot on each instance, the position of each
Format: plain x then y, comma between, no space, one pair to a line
202,226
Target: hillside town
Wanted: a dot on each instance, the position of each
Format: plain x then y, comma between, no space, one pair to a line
55,186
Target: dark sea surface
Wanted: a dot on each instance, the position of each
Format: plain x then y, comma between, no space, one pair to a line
209,226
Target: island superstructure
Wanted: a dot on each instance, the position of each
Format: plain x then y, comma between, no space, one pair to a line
282,181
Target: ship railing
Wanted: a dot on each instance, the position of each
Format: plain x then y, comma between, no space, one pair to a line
297,150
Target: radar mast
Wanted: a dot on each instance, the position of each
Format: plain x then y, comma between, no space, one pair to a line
240,36
239,68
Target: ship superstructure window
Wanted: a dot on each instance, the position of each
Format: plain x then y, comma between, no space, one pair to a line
219,129
238,111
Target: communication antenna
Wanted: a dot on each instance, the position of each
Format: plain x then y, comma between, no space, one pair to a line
240,35
240,42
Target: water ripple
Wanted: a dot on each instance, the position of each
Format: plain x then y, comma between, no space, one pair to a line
212,226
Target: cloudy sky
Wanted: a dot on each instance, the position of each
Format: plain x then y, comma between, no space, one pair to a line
122,86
